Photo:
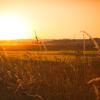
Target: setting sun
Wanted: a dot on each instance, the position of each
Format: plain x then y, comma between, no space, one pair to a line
52,19
12,27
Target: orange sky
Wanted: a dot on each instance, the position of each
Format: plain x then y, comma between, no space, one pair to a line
55,18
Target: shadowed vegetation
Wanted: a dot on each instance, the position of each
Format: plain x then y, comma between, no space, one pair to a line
30,77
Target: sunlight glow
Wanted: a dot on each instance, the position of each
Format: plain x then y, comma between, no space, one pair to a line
12,27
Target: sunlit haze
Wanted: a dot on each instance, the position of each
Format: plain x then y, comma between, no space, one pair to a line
52,19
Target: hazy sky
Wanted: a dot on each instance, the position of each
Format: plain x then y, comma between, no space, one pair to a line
56,18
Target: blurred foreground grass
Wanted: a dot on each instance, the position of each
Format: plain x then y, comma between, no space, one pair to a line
49,76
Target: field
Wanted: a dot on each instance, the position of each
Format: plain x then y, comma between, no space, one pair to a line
50,75
49,50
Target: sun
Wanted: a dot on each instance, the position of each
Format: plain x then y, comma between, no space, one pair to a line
12,27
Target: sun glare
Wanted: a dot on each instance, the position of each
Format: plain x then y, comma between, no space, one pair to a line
12,27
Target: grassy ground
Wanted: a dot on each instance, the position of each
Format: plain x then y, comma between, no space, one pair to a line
49,76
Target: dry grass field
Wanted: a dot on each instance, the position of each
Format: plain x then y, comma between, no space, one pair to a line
49,49
47,76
